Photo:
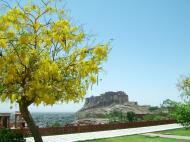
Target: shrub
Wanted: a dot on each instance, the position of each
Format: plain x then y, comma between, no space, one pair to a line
116,116
56,124
182,114
131,116
6,135
153,117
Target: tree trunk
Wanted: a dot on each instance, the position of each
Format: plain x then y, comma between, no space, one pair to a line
30,122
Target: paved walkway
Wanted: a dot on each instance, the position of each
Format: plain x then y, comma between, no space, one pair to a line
168,136
105,134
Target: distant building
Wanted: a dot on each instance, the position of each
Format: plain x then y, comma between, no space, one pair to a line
18,121
5,120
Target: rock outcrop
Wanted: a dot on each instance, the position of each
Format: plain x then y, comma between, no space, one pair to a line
97,106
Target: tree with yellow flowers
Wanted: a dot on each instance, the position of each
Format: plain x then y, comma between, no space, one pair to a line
44,58
182,109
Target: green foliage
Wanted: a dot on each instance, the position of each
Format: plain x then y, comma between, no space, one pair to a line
153,117
182,114
1,88
6,135
184,87
131,116
56,124
169,105
153,108
116,116
182,111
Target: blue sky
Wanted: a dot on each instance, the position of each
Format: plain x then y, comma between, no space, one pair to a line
150,52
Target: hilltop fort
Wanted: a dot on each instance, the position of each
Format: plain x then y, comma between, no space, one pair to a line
108,102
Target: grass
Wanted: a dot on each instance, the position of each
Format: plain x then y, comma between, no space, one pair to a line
137,138
179,132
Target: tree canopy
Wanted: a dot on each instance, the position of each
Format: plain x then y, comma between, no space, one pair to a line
44,59
182,110
184,87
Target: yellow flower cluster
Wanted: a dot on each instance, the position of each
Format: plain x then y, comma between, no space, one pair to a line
45,62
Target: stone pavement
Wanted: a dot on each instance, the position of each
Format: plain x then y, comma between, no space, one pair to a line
105,134
168,136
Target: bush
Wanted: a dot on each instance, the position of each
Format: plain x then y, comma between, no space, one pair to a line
56,124
154,117
6,135
182,114
116,116
131,116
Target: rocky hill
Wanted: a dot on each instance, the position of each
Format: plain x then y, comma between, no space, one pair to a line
106,99
96,106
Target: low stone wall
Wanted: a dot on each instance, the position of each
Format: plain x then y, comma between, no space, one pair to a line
92,128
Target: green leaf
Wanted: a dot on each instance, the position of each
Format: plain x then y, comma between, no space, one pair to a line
1,88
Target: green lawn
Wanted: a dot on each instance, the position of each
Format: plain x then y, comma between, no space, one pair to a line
179,132
137,138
